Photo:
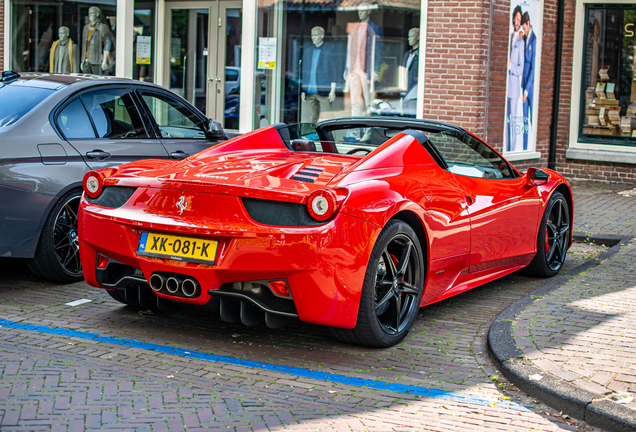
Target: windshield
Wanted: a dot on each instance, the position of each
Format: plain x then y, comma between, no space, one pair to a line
18,101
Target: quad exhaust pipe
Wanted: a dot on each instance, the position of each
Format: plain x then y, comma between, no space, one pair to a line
175,285
157,282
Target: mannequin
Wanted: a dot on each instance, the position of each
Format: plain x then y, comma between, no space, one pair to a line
364,50
410,62
319,79
63,53
95,43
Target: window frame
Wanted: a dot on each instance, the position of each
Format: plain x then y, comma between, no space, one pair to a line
603,140
55,113
151,118
588,150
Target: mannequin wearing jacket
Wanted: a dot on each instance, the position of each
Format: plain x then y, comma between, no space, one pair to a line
364,51
63,53
319,78
95,43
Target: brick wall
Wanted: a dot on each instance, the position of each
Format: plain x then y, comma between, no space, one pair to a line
456,68
456,56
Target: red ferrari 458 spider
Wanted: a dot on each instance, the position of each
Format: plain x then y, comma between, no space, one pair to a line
353,224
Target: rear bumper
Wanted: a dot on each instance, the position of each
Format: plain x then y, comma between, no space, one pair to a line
21,216
324,266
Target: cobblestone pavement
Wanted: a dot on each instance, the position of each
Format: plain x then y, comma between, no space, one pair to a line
584,332
57,382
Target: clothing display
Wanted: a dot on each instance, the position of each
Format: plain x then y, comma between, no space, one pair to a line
363,62
95,40
411,64
63,57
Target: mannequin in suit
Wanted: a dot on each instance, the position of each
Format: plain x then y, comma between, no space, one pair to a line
410,62
319,77
364,52
527,82
95,43
63,56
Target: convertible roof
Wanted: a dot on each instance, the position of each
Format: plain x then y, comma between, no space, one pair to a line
390,122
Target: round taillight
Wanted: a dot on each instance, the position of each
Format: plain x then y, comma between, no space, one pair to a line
322,204
93,183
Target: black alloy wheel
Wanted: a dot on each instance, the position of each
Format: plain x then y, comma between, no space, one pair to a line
57,256
392,290
395,292
553,238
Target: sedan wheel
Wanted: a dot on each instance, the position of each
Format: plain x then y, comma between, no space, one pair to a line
392,290
57,256
553,239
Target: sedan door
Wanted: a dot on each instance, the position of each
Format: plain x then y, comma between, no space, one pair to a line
181,130
105,127
504,211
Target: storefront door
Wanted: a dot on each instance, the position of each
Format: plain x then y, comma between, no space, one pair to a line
202,49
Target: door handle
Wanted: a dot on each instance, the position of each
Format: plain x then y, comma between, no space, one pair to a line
179,155
97,154
470,199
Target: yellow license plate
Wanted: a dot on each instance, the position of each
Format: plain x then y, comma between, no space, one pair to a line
177,248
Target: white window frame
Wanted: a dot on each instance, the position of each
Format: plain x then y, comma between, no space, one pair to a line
576,149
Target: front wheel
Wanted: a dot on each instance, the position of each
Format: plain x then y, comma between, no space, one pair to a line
392,290
553,238
57,255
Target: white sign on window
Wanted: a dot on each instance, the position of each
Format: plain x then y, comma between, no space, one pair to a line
266,53
143,49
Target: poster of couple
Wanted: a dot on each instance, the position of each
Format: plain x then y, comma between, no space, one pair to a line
523,63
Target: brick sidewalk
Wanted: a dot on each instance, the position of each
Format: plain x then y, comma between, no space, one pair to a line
584,332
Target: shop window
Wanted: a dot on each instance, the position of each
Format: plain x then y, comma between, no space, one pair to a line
608,93
63,37
144,41
331,60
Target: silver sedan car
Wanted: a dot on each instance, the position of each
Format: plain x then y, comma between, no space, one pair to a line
54,129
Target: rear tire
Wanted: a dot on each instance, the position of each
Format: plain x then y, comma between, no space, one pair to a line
553,238
392,290
57,255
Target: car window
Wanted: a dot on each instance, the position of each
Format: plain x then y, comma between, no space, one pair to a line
173,118
114,114
231,74
17,101
74,123
466,155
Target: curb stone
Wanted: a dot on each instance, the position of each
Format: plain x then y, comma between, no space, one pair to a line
553,391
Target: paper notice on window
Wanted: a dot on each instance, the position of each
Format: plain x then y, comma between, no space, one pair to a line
266,53
143,49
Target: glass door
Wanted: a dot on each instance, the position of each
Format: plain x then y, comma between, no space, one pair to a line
203,49
228,72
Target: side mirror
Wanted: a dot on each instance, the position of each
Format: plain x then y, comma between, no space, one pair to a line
215,131
536,177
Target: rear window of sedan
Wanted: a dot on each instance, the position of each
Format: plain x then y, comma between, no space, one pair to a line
17,101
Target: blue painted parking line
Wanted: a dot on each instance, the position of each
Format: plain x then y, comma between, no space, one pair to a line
289,370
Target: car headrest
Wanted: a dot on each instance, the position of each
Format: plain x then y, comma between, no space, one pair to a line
303,145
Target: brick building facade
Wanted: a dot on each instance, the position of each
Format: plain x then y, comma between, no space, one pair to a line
465,71
461,89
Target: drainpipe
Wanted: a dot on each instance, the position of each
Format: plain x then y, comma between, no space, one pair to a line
557,87
488,62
